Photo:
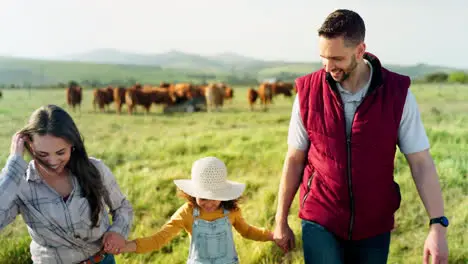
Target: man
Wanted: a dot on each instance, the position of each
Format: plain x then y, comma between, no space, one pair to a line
346,122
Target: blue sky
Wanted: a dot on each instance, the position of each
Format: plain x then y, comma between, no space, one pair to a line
408,32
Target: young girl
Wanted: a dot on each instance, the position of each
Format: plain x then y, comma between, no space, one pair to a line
211,210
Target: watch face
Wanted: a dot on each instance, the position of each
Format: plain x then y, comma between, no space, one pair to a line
444,221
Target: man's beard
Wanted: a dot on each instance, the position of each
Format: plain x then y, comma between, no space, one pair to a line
346,73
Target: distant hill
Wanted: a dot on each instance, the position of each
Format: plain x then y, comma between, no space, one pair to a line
37,72
227,61
109,65
172,59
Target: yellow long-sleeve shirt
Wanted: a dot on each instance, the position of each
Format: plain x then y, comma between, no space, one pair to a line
183,219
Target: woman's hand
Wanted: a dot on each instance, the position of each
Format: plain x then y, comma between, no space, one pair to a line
17,144
113,242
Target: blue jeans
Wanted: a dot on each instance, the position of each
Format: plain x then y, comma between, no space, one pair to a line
321,246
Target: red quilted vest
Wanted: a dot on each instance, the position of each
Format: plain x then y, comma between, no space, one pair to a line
348,184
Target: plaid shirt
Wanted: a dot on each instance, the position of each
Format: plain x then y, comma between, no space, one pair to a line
61,231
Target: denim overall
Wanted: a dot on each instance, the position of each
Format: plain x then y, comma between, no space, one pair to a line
212,241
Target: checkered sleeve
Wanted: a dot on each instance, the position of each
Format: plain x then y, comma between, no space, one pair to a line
120,207
10,181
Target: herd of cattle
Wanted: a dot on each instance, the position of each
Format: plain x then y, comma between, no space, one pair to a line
214,95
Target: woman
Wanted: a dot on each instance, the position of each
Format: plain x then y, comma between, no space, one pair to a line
61,194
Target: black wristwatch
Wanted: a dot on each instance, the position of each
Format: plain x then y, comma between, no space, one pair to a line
440,220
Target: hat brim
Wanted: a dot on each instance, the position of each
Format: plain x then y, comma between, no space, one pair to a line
231,191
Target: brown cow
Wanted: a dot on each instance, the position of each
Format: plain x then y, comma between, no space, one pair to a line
119,98
146,86
252,96
265,92
103,97
214,94
282,88
164,85
183,91
74,96
200,89
228,93
146,97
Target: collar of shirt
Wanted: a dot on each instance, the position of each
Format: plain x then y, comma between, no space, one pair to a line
356,97
31,173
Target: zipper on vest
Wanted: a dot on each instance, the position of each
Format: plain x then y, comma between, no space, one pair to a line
348,151
350,181
309,181
350,186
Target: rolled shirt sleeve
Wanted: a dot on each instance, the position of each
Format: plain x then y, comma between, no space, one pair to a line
412,135
297,134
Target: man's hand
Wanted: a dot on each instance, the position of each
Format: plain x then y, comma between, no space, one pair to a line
436,246
427,183
284,237
289,184
113,242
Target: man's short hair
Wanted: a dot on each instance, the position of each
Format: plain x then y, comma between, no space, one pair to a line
344,23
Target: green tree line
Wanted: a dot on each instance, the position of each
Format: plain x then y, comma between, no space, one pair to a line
443,77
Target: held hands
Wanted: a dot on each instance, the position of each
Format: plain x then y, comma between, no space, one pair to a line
284,237
278,242
115,244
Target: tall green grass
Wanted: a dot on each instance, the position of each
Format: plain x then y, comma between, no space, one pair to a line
146,152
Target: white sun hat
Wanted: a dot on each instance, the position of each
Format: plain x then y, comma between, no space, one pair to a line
209,181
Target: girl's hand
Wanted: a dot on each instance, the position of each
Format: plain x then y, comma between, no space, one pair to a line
130,246
271,236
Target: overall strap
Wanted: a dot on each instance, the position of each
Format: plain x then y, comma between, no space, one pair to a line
225,211
196,212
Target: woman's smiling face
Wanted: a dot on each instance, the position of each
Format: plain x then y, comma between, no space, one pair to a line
54,151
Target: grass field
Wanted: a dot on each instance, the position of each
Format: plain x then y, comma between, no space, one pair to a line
147,152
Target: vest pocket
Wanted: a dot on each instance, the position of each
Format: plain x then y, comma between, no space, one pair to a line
212,246
308,187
